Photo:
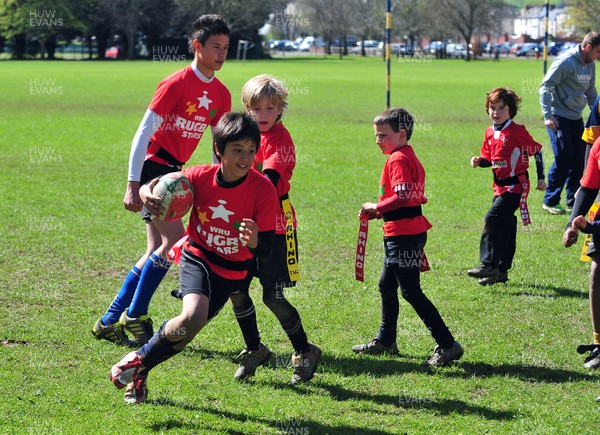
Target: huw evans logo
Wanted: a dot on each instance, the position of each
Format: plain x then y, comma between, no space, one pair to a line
44,86
44,18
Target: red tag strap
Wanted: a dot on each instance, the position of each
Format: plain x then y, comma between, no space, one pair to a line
361,247
175,252
423,263
523,205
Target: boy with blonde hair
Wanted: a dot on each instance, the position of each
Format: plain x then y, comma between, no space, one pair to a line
265,99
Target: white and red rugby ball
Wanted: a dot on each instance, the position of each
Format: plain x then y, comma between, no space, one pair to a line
177,196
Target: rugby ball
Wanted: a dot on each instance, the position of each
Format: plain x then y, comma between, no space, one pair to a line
176,194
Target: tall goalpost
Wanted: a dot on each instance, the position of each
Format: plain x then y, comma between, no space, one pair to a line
546,23
388,49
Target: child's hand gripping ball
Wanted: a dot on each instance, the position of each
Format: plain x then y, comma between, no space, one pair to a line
177,196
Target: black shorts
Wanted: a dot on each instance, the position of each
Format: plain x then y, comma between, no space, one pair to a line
275,273
150,171
195,276
592,250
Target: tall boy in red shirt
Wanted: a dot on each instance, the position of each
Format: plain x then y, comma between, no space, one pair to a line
184,105
402,192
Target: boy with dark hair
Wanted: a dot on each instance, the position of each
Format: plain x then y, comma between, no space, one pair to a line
507,147
402,192
184,105
233,220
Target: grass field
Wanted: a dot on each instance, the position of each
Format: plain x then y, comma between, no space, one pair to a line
67,243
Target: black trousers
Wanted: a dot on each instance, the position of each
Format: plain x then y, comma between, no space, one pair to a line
401,269
499,236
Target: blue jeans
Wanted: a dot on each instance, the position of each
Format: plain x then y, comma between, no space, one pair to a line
569,160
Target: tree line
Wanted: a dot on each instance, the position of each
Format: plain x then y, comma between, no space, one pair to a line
34,27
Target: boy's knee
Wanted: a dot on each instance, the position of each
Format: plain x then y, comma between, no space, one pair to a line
273,298
240,300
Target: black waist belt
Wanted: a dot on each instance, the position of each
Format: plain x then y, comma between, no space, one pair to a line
220,261
402,213
167,157
509,181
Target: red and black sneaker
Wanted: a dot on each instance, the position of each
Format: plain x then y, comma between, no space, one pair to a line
124,372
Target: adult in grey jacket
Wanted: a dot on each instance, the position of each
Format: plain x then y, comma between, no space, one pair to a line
569,84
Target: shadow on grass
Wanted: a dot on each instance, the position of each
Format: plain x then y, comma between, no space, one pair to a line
439,407
521,372
392,366
285,425
539,290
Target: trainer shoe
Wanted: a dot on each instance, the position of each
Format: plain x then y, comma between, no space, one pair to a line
305,364
593,359
136,391
123,372
499,277
250,360
554,209
375,347
113,333
442,357
140,327
482,271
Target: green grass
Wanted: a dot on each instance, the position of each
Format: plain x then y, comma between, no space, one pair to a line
67,243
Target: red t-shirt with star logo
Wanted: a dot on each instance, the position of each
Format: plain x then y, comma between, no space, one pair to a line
277,152
508,150
218,212
591,177
188,105
403,174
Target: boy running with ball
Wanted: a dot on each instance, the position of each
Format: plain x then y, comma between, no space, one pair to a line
232,223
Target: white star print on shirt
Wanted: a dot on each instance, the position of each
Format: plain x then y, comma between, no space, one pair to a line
221,211
204,101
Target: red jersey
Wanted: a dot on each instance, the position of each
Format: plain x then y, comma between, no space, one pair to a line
591,177
218,212
403,172
277,152
508,150
188,105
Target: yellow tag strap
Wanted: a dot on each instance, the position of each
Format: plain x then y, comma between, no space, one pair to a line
588,237
291,242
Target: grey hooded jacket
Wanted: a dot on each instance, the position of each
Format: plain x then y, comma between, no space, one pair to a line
569,84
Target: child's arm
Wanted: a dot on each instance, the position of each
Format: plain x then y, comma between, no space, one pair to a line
581,224
480,161
539,167
584,199
150,201
272,175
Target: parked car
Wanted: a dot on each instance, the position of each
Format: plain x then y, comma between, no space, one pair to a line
434,47
529,49
567,46
370,46
306,43
283,45
554,48
456,51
